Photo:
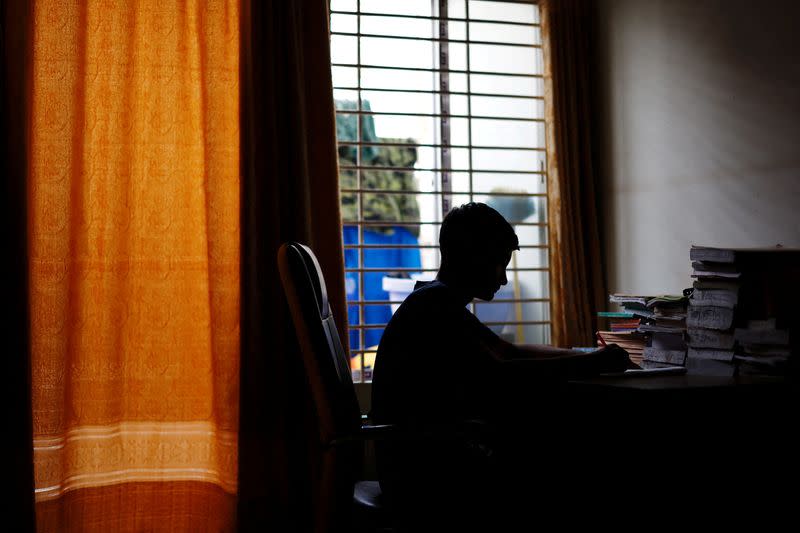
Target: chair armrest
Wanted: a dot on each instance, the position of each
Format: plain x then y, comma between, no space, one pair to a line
368,432
395,432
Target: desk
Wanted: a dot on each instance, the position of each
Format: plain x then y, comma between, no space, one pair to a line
685,382
663,441
684,406
688,409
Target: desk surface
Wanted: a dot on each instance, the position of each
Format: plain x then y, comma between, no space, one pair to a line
686,381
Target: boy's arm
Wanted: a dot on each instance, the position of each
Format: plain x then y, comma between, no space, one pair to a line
570,364
560,363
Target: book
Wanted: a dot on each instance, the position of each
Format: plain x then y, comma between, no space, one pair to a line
665,347
715,274
744,311
717,284
674,327
710,354
658,355
731,255
703,269
630,299
670,313
715,298
716,255
667,300
643,312
709,338
624,325
767,360
710,317
669,340
727,268
761,336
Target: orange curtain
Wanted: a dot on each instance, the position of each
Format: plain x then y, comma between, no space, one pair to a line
133,237
577,277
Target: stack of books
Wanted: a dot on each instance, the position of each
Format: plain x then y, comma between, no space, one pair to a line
623,326
711,308
620,321
650,328
763,348
666,331
743,316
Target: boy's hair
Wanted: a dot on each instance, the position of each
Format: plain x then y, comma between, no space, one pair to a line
475,228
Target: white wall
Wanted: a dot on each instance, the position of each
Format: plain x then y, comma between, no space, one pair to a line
699,127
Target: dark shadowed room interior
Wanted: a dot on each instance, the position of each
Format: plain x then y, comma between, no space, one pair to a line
219,216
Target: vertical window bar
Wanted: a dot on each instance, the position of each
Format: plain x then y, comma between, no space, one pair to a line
435,103
469,117
469,103
444,102
359,199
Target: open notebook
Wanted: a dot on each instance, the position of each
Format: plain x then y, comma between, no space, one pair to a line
665,371
648,372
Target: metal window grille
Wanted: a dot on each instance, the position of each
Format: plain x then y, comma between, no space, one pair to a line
439,102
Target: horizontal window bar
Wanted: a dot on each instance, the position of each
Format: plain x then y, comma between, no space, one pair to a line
451,93
512,301
426,223
448,19
432,39
518,323
412,169
453,146
449,71
415,246
412,269
479,302
435,115
507,323
452,193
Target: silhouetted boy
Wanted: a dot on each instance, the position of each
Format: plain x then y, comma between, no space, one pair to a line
438,364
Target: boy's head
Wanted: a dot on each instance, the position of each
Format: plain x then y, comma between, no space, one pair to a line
476,243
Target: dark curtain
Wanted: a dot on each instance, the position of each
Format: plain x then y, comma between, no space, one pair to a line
289,192
18,467
577,278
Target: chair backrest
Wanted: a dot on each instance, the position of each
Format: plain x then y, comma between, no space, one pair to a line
326,363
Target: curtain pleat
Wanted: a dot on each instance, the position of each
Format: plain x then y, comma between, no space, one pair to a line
576,266
133,245
18,503
289,192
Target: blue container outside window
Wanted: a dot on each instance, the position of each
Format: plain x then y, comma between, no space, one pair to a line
390,258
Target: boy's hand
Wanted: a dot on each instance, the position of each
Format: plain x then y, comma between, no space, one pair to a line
615,359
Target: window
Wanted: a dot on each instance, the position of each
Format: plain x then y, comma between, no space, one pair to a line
439,103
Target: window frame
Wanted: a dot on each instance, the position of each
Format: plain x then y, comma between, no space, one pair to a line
444,168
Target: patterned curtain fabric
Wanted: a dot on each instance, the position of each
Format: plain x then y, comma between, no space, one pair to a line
576,267
133,242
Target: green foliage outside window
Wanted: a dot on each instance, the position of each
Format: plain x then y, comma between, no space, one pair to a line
390,208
